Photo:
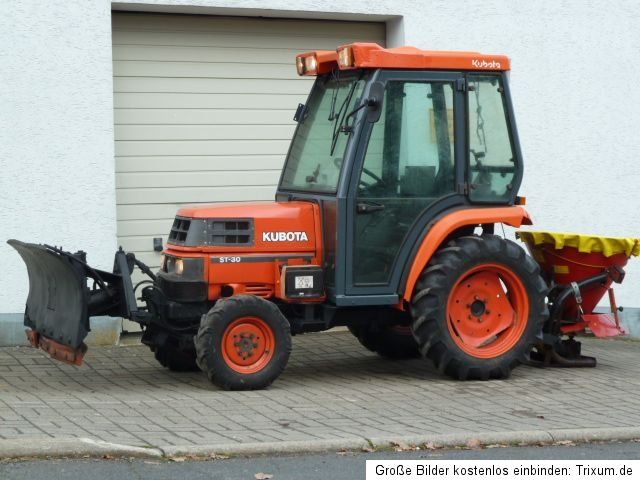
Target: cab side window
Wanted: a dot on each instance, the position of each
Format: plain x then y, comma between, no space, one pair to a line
491,158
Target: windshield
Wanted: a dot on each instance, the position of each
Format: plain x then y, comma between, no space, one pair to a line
315,157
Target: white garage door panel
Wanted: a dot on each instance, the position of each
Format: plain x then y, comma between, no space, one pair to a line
140,68
136,148
203,111
295,44
243,86
198,179
212,100
193,116
203,132
193,194
160,211
141,244
166,53
198,163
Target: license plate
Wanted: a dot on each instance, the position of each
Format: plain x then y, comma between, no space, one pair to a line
304,282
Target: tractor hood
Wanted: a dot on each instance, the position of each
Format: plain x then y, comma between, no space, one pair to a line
262,227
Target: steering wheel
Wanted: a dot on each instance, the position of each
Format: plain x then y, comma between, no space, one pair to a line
376,178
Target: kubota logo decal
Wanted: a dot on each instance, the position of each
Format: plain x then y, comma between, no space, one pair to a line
284,237
485,64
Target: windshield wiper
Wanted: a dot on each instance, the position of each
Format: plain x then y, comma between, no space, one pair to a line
334,95
340,117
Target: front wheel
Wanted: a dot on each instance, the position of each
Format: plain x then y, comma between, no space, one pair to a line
479,307
243,343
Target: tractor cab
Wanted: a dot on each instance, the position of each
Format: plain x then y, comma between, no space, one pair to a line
388,141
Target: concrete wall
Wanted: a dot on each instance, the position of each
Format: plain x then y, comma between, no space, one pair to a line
56,139
575,64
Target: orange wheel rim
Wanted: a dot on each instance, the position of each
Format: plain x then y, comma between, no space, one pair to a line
248,345
488,311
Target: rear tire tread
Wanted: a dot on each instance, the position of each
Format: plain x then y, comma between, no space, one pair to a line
429,305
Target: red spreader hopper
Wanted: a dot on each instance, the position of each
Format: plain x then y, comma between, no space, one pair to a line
581,269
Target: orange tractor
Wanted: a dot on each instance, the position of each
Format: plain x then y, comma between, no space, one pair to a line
402,164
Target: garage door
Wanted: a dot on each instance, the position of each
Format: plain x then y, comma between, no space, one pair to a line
203,110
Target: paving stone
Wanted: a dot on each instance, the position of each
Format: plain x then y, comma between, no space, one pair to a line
332,388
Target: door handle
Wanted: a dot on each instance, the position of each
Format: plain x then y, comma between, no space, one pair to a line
369,207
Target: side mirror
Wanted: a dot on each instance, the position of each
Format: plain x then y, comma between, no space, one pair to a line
374,101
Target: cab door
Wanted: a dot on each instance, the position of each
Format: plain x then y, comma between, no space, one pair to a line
409,167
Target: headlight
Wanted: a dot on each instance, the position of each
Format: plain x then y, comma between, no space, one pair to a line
188,268
307,64
311,64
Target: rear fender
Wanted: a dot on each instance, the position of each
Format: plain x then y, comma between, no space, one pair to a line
514,216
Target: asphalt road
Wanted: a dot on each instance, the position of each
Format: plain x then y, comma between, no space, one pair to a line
309,467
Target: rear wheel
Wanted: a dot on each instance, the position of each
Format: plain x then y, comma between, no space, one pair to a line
479,307
243,343
389,341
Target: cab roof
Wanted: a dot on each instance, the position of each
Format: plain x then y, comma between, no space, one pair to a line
372,55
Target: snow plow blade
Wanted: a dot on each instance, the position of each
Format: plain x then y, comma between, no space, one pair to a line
60,301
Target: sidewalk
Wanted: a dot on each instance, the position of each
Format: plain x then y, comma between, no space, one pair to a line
334,394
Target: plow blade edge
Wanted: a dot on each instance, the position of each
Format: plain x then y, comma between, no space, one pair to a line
60,301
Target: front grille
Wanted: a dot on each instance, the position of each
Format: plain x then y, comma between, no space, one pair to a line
194,232
230,232
179,230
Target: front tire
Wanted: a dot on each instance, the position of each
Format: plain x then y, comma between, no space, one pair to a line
479,307
243,343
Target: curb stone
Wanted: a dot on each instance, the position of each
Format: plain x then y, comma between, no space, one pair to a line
274,448
72,447
77,447
595,434
462,439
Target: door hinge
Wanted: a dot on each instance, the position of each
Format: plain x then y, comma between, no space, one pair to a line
461,84
463,188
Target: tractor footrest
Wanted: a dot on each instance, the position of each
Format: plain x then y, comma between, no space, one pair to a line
58,351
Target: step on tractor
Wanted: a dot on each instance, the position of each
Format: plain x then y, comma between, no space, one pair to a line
402,165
